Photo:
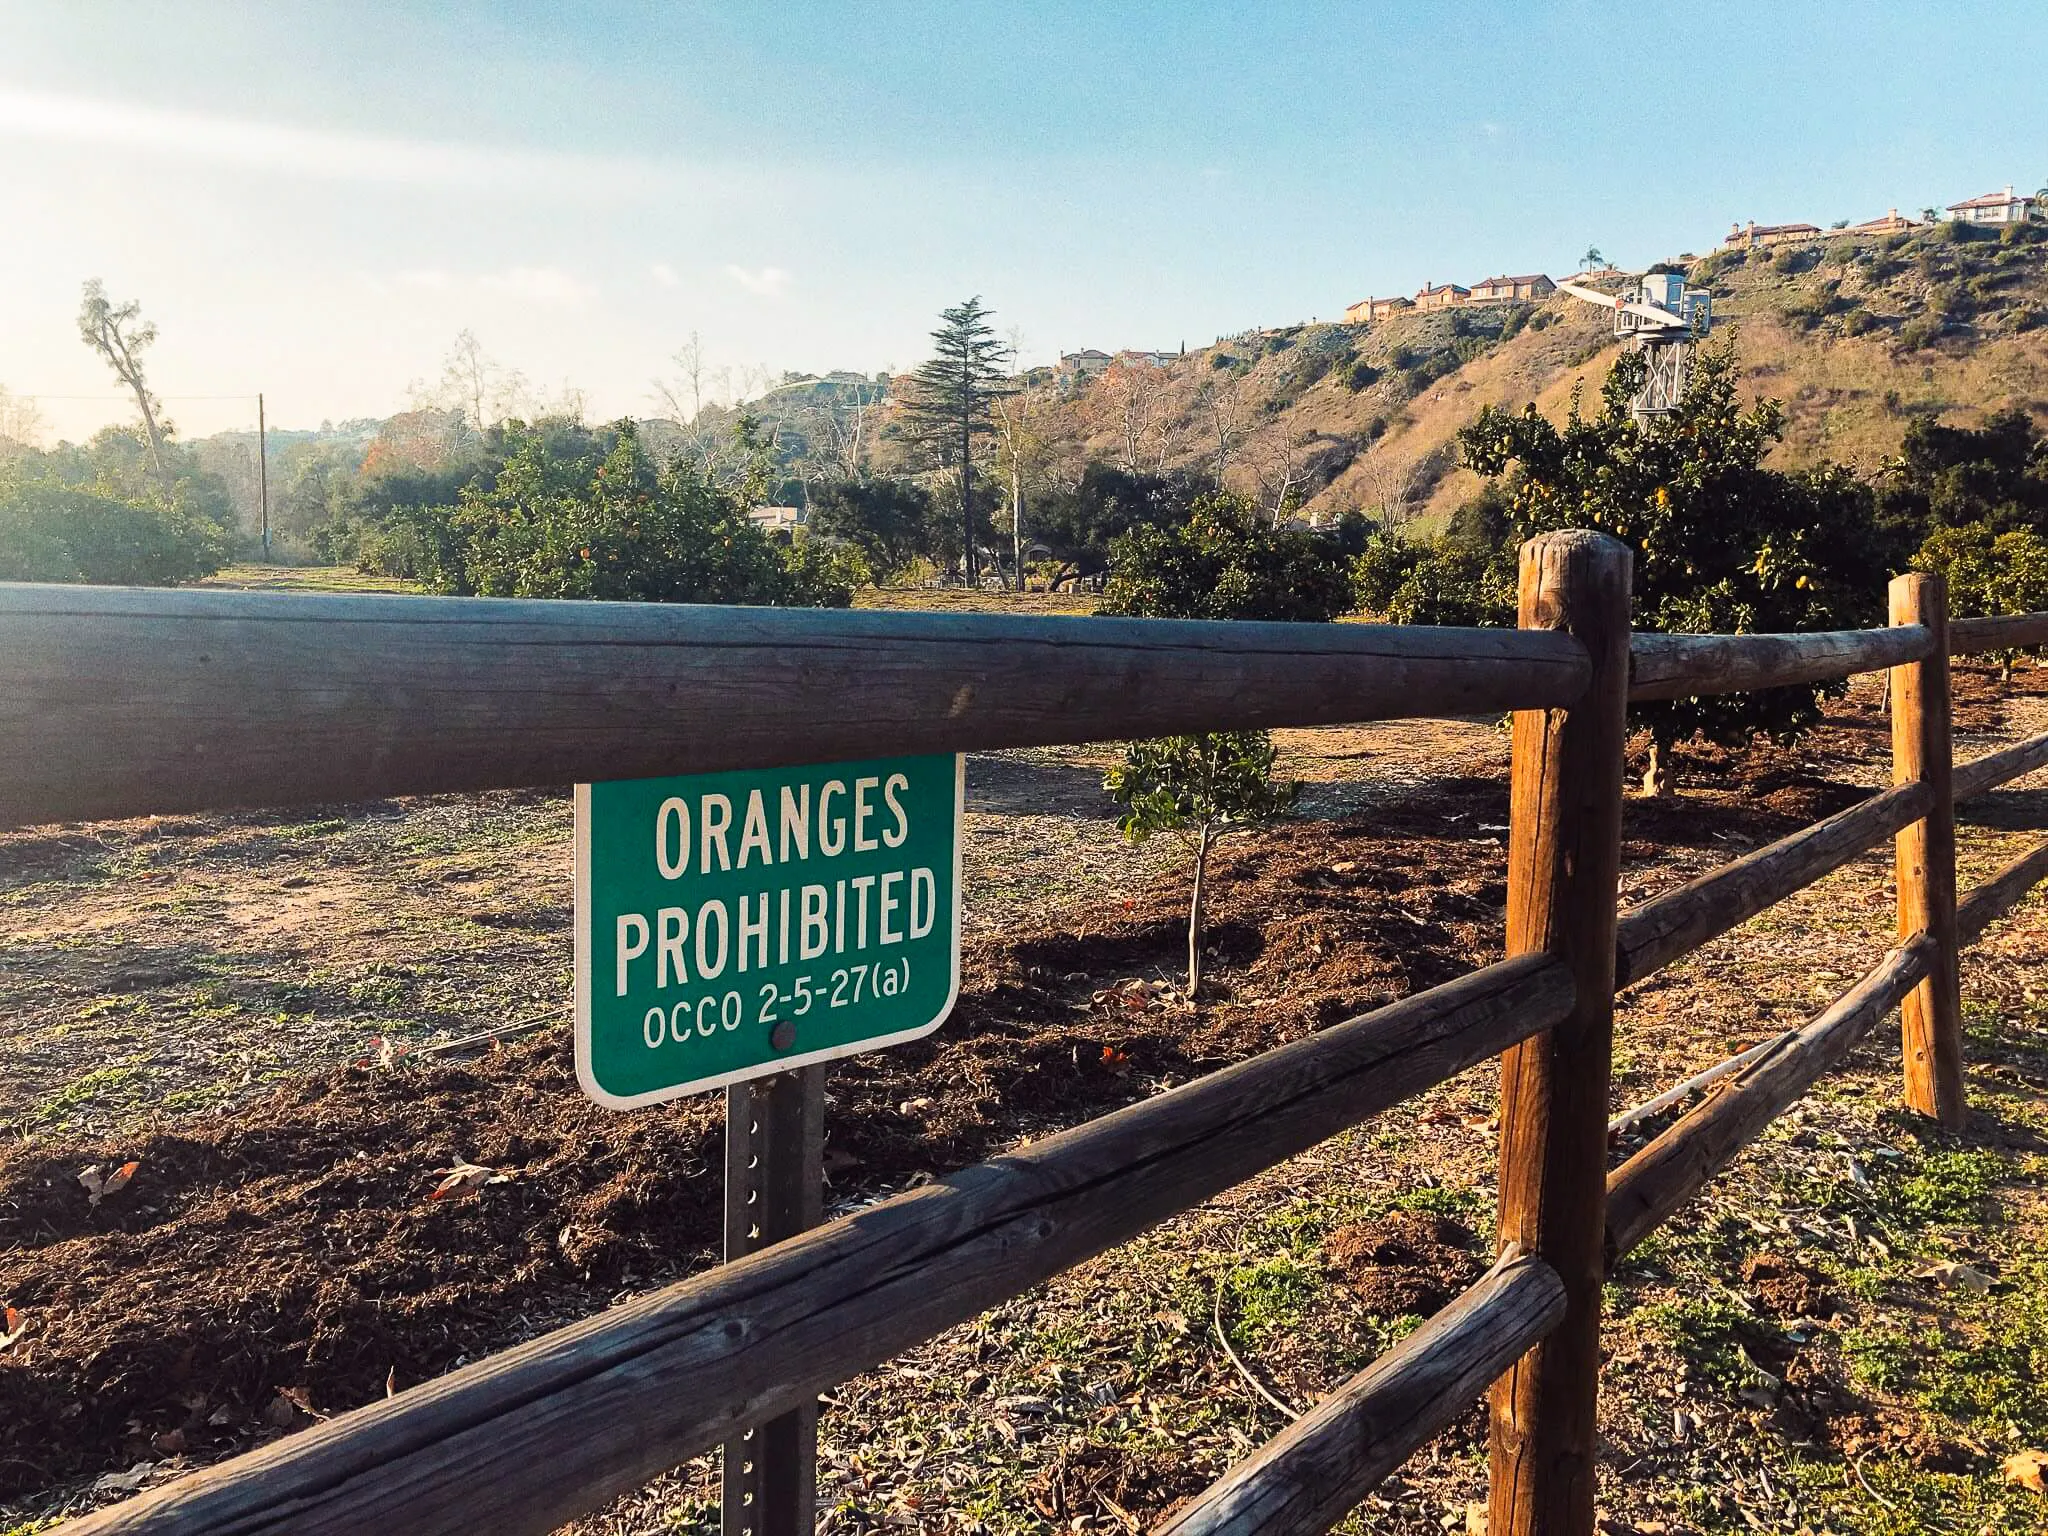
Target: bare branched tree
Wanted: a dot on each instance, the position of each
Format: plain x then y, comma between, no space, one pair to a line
844,427
1223,415
1026,435
1397,483
478,386
1280,463
120,335
21,423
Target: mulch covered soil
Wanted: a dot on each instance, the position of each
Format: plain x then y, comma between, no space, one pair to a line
291,1260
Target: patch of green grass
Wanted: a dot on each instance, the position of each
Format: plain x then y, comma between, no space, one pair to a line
1882,1357
1992,1371
377,992
1919,1501
1269,1297
101,1083
327,827
1714,1335
1464,1205
1946,1187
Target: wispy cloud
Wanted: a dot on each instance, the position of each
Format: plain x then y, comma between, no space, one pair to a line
540,285
763,282
318,152
664,275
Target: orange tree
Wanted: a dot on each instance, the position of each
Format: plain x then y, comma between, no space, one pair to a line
1722,543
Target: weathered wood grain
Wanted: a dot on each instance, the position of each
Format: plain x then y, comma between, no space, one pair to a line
1648,1189
1564,857
2001,767
1671,926
1307,1479
2005,632
533,1437
1681,666
121,703
1931,1020
1987,903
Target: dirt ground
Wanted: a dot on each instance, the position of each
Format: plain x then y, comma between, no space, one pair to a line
242,1008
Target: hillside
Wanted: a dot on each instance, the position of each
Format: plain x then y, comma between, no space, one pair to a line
1857,336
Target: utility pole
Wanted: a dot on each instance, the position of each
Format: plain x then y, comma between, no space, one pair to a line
967,470
263,472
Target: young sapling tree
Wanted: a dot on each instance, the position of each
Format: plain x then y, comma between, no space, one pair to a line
1192,787
1224,562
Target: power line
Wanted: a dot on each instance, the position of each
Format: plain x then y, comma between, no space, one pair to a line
19,394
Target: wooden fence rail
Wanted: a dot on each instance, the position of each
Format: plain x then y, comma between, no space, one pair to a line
1646,1190
1311,1477
125,703
530,1438
142,703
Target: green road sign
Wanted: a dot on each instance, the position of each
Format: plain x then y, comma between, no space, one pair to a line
729,925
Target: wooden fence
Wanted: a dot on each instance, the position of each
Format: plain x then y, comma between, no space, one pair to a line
123,703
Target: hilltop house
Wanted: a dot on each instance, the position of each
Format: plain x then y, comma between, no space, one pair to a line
1499,290
1085,363
1368,310
1993,208
1752,235
1440,295
1892,223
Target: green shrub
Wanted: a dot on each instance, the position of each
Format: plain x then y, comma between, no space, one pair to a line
1382,569
1920,332
1790,259
616,528
54,533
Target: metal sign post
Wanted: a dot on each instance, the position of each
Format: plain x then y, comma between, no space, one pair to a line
737,931
774,1189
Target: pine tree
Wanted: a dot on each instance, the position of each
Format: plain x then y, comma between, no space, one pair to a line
950,398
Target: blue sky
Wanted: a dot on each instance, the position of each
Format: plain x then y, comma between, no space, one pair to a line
313,199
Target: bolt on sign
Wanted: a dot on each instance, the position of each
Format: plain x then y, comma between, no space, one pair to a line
729,925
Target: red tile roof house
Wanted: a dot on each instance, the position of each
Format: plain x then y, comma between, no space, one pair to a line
1496,290
1993,208
1366,310
1754,234
1892,223
1440,295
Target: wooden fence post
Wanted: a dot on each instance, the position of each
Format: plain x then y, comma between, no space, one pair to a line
1932,1016
1564,854
774,1189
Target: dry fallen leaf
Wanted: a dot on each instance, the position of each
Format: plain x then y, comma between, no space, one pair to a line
2029,1469
1961,1276
466,1176
125,1482
99,1185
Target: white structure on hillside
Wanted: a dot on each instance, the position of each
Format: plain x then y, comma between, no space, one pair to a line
1661,319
